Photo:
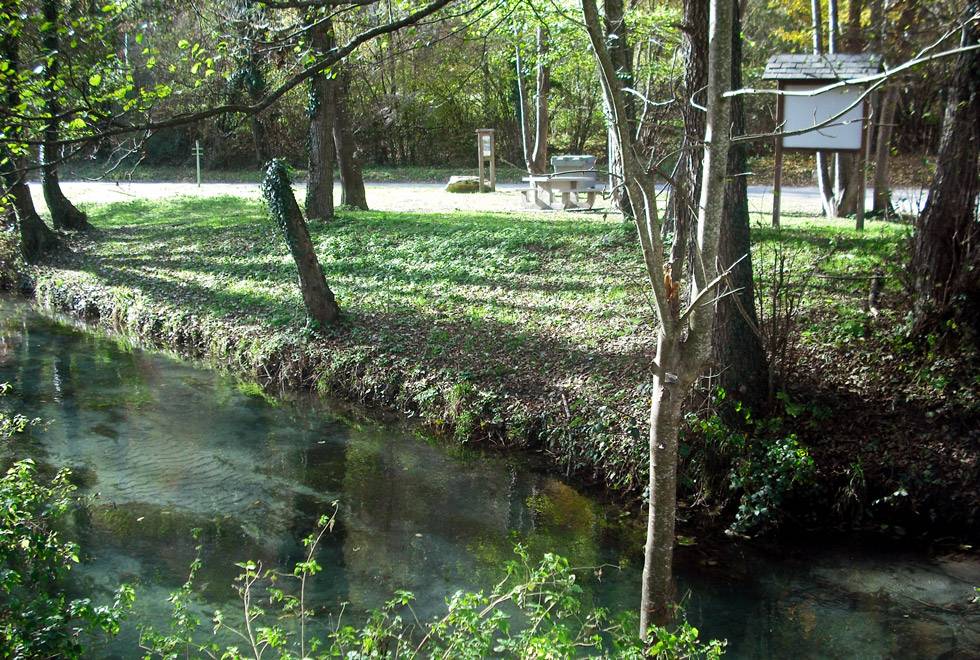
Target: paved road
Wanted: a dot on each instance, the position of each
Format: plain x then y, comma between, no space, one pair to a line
421,196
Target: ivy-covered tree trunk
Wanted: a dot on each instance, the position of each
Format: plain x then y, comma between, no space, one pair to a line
255,86
744,372
319,189
317,296
351,178
945,250
64,214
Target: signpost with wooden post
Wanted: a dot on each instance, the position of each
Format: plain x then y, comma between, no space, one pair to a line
198,151
840,114
487,154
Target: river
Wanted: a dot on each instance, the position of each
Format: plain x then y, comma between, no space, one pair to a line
163,447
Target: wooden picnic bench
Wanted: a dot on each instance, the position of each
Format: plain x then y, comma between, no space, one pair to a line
567,188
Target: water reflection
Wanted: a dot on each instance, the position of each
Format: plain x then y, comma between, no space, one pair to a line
165,448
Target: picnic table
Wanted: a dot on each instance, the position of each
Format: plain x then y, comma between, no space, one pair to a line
566,187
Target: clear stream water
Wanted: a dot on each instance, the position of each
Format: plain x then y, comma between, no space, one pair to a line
163,447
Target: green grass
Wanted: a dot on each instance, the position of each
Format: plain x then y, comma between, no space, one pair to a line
543,294
571,276
532,273
484,319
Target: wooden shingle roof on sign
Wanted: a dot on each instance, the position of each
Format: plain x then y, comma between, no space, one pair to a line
839,66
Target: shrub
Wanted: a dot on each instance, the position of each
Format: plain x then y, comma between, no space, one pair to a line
536,611
37,618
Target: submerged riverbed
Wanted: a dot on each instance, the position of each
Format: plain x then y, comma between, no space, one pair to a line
162,447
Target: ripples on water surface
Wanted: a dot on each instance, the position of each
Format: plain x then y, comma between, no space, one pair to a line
165,447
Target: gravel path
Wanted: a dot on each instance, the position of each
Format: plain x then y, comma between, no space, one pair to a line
425,197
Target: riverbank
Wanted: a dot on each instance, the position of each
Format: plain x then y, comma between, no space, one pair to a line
177,463
532,331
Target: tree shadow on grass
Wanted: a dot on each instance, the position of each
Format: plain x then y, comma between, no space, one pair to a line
454,291
485,351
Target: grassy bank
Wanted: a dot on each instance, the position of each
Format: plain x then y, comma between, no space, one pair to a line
523,330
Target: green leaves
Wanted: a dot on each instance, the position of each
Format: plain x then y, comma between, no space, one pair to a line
38,619
95,79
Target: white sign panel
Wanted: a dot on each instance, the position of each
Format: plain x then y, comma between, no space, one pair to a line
800,112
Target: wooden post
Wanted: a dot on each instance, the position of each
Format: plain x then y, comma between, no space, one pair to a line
493,163
777,161
197,155
485,149
479,151
859,211
864,155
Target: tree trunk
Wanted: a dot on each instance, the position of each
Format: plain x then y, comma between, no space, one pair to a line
680,360
35,237
64,215
681,212
882,194
824,183
538,163
833,26
853,41
256,90
657,593
317,296
845,173
535,147
351,179
744,373
622,60
684,338
946,234
319,187
848,167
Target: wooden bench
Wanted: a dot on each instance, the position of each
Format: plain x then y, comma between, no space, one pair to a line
564,186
